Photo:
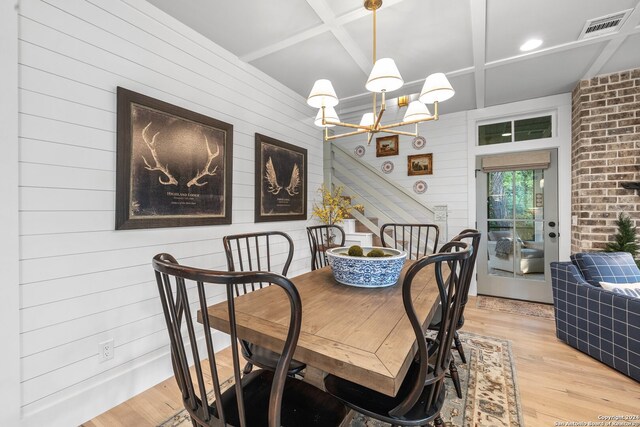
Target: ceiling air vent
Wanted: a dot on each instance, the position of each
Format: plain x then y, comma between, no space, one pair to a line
604,25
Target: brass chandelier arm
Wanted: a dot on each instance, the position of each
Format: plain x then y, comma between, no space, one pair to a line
410,122
401,132
376,124
346,125
369,137
386,128
328,137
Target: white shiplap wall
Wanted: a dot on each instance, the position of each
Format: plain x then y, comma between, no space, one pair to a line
81,282
447,140
9,221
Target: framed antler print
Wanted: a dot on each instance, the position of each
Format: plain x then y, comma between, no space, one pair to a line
281,181
173,165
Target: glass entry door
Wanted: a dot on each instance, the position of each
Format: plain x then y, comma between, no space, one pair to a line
517,214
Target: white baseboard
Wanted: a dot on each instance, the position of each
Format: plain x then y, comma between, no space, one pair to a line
86,404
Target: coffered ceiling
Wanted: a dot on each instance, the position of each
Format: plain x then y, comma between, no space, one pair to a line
475,42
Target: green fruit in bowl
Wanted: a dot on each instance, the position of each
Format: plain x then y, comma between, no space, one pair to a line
355,250
376,253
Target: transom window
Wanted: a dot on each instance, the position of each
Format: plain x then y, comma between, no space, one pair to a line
515,130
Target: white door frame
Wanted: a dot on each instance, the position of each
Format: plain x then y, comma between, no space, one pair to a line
517,286
561,139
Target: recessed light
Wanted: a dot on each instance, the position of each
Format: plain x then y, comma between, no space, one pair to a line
530,45
506,134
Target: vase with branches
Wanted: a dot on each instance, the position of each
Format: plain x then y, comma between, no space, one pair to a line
333,207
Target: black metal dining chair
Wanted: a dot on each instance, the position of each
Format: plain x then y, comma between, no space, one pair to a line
472,237
260,251
421,395
260,399
321,238
417,240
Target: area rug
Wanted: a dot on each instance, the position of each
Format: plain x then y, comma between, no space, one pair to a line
490,393
512,306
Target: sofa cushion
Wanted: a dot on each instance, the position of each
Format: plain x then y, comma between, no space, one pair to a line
612,267
499,234
529,253
502,234
629,289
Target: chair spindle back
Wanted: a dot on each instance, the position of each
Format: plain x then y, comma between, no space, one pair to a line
417,240
183,291
321,238
449,268
262,251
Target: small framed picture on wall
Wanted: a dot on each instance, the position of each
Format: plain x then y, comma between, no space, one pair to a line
387,146
420,164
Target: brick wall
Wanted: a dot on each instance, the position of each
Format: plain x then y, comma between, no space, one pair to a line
605,152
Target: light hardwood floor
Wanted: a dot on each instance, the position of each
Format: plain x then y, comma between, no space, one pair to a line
556,382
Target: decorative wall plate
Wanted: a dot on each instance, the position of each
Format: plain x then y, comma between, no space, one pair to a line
359,151
420,187
387,167
419,142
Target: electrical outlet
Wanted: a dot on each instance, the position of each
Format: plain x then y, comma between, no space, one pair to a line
106,350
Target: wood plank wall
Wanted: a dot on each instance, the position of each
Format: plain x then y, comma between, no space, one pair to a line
9,221
81,282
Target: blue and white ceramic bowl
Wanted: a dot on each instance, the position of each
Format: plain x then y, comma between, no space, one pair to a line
366,272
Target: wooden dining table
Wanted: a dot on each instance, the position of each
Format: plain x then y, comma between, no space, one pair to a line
360,334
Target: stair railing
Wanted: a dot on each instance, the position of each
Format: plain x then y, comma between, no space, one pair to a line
341,154
360,185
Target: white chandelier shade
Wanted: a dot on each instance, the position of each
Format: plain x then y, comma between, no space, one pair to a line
384,76
436,89
417,111
367,119
322,94
330,116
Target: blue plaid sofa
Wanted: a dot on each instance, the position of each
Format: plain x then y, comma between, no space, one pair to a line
603,324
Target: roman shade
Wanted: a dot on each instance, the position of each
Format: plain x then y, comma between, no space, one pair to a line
517,161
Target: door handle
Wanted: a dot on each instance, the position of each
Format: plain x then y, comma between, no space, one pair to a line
552,235
552,224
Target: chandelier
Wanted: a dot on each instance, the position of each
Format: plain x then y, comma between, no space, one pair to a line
384,78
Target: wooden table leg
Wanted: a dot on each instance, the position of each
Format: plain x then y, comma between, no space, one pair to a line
315,377
347,420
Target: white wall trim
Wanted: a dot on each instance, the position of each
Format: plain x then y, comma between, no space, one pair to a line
561,140
113,390
9,291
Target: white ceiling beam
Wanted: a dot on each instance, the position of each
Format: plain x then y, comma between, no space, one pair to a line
352,49
283,44
337,22
627,28
479,38
361,12
603,58
323,10
553,49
